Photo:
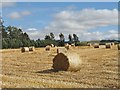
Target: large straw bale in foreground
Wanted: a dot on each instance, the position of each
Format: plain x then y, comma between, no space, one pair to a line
24,49
32,48
67,61
61,50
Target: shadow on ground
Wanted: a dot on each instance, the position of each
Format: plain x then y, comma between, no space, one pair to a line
47,71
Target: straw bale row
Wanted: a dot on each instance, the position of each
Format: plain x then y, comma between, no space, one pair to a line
27,49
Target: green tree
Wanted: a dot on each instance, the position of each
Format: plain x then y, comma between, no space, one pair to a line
9,30
14,32
62,40
75,38
52,36
32,43
4,44
4,32
25,36
26,43
61,37
47,37
17,43
70,38
38,42
13,37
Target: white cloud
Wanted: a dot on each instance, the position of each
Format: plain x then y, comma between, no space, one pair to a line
31,29
34,33
97,35
17,15
91,36
86,18
112,34
82,23
87,35
113,31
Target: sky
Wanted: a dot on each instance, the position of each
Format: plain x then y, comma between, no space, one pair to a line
89,20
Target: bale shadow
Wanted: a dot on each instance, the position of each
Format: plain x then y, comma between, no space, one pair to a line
47,71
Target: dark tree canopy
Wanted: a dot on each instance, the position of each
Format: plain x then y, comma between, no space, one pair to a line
61,37
52,36
75,38
70,38
47,37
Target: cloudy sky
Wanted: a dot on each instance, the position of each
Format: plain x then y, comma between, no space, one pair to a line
90,21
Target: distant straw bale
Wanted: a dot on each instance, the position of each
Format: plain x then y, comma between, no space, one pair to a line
118,46
89,44
67,46
47,48
72,45
52,45
67,62
32,48
112,43
96,45
108,45
24,49
61,50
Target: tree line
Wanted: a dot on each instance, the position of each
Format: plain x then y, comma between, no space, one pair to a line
13,37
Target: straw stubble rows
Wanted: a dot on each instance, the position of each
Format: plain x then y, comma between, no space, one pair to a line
34,69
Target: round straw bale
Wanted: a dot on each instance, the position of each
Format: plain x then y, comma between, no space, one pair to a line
66,62
32,48
108,45
61,50
72,45
118,46
89,44
67,46
47,48
113,43
96,45
52,45
24,49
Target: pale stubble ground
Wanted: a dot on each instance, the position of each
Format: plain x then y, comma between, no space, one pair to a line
99,69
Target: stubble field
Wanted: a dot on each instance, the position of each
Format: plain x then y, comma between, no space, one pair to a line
99,69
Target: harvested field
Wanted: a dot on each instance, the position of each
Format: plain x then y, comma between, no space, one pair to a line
99,69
